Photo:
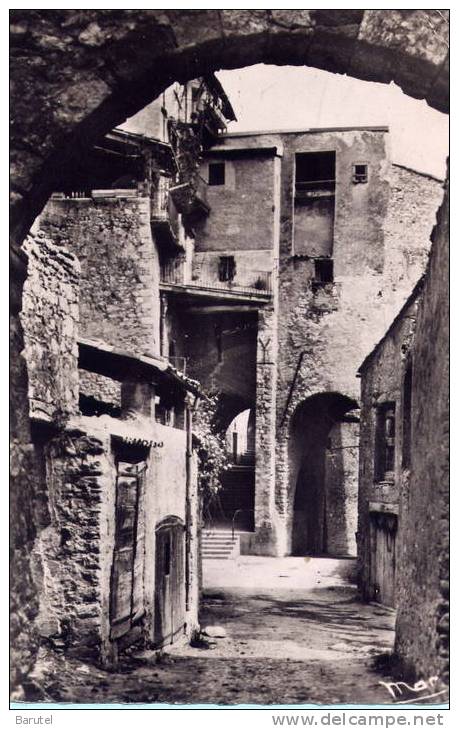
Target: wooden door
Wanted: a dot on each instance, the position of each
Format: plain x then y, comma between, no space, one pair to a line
383,530
127,586
169,581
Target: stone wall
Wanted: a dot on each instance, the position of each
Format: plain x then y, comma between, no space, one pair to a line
381,242
422,627
382,381
45,377
50,318
420,487
77,547
380,245
119,297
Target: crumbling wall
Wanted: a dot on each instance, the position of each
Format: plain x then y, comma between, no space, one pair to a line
44,372
75,548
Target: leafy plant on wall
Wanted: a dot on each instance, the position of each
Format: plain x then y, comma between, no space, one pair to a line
211,449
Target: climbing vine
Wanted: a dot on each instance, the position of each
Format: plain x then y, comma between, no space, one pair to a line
211,449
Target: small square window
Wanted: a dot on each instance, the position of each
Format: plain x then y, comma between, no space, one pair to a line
360,173
217,173
323,270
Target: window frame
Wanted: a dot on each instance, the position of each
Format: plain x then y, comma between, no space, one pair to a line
359,178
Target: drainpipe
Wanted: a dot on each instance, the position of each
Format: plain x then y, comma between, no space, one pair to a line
189,409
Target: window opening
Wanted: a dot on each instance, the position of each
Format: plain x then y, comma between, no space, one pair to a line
313,172
226,268
217,173
323,270
385,442
360,173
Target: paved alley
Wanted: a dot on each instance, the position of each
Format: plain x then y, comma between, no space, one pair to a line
295,634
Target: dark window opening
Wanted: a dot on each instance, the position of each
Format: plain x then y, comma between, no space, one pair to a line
323,270
90,405
226,268
314,171
407,389
360,173
385,442
217,173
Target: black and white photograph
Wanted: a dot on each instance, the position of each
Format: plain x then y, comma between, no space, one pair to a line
229,347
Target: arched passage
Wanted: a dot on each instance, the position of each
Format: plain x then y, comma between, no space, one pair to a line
235,502
323,458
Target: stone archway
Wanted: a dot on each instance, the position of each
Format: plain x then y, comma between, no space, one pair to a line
78,73
323,464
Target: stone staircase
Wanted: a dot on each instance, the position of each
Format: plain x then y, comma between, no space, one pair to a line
219,544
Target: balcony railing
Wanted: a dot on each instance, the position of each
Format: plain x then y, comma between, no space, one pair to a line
191,197
314,188
206,277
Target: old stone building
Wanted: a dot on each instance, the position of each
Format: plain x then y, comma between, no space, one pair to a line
296,271
117,554
403,533
112,420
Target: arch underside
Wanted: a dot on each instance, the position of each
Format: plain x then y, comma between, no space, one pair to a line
77,74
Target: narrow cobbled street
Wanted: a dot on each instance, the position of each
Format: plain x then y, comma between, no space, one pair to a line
293,632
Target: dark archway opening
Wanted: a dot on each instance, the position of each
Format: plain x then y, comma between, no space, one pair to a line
323,462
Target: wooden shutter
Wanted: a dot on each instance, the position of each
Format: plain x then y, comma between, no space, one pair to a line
126,596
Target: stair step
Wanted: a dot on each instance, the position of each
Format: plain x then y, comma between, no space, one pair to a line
219,545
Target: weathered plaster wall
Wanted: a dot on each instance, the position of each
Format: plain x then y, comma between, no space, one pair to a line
341,489
382,381
77,547
252,267
247,195
380,247
119,297
50,316
422,627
